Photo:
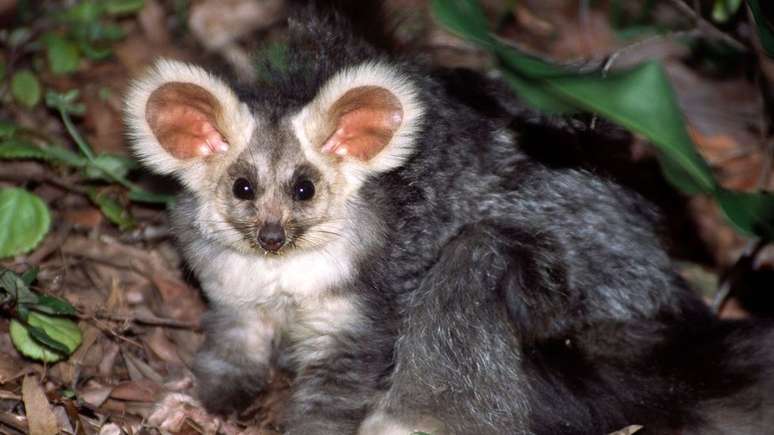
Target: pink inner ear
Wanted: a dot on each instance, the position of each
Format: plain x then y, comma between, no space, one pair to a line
183,117
365,120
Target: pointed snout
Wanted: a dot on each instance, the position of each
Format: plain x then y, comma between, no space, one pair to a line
271,236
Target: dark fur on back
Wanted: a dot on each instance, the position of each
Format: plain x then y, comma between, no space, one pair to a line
501,295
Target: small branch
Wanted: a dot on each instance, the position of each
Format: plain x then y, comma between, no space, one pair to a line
707,27
145,320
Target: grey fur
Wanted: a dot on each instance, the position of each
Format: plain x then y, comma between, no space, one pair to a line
477,286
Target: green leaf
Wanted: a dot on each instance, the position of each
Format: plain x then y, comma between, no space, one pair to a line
640,99
122,7
17,148
60,333
465,18
24,343
140,195
66,102
25,88
16,287
7,129
24,221
750,213
115,165
84,12
112,209
51,305
63,56
724,10
764,25
2,70
29,275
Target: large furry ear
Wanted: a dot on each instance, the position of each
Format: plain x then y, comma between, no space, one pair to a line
184,121
364,118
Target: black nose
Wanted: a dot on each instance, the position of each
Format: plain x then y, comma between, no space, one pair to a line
271,236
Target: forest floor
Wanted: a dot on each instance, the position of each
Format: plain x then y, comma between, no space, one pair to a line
139,308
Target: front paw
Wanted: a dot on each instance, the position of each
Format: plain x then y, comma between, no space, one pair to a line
224,387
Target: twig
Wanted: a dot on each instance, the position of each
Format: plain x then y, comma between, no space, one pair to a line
146,320
30,171
707,27
613,57
50,245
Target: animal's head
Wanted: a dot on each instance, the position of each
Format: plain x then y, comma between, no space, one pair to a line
265,183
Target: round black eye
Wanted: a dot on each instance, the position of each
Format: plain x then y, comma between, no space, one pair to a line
303,190
243,189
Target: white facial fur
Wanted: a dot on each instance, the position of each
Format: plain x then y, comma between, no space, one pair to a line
298,284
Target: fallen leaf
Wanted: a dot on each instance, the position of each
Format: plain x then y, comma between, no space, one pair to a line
143,390
40,418
160,345
628,430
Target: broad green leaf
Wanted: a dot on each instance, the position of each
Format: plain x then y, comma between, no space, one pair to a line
764,24
15,286
115,165
750,213
17,148
25,88
723,10
122,7
59,333
24,221
51,305
2,70
112,209
63,56
641,100
534,95
29,275
465,18
24,343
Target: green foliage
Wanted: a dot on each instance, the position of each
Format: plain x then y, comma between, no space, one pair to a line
40,326
724,10
640,99
764,25
24,220
63,55
112,209
25,88
27,209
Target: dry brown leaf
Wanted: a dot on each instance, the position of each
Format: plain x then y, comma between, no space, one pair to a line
216,23
95,393
628,430
11,368
139,369
182,302
160,345
40,418
86,217
143,390
152,21
110,353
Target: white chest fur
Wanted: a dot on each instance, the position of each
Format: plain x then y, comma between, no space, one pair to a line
245,281
290,293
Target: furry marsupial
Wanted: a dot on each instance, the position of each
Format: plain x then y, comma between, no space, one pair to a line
351,219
